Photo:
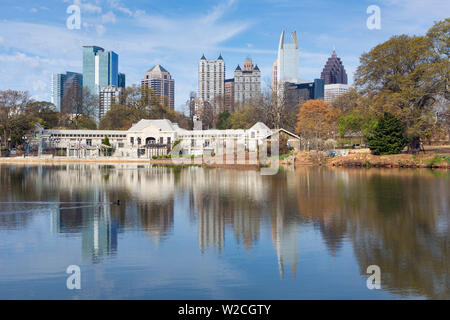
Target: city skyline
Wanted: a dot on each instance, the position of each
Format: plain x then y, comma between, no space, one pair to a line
138,33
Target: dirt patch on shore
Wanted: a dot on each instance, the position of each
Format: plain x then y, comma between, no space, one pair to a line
429,159
434,157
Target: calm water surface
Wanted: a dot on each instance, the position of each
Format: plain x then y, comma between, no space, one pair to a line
196,233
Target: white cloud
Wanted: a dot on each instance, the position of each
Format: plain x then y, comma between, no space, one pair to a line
412,16
125,10
116,5
33,10
40,85
35,61
100,29
88,7
109,17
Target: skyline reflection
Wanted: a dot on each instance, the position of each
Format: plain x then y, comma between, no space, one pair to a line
396,219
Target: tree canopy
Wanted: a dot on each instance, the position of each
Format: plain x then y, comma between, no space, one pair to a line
317,119
407,76
138,103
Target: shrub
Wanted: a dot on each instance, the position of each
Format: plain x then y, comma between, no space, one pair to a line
61,153
154,157
438,160
387,137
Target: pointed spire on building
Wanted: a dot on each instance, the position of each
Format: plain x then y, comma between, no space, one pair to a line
288,61
220,57
203,57
281,45
294,39
334,71
238,68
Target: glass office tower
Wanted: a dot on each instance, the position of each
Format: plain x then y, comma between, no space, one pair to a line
121,80
100,68
61,83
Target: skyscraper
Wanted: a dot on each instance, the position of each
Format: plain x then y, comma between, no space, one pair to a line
287,65
274,75
61,83
211,78
108,95
121,80
247,81
334,71
229,95
160,80
100,68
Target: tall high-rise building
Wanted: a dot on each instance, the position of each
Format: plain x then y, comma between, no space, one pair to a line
160,80
274,75
61,83
108,95
287,65
247,81
229,95
211,78
100,68
121,80
334,71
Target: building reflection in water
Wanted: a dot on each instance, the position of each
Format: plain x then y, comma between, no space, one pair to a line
99,234
157,219
90,216
396,219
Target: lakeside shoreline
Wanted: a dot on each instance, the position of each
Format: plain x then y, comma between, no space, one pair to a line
434,157
362,158
35,160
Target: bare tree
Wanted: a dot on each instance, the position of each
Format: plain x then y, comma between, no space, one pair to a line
12,103
280,112
207,115
78,103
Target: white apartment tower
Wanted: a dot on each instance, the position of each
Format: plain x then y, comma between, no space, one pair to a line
287,65
108,96
211,78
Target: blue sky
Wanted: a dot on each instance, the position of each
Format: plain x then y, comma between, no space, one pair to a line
35,42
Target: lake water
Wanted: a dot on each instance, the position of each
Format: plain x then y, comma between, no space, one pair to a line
195,233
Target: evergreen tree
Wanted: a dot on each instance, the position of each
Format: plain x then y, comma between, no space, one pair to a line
106,151
105,141
388,136
224,121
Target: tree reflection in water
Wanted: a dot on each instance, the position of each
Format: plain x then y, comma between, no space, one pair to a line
396,219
